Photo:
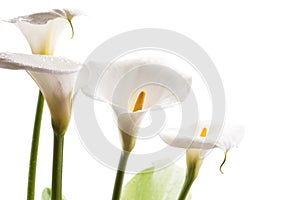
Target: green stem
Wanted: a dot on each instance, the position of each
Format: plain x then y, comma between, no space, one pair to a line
186,187
56,192
120,175
34,148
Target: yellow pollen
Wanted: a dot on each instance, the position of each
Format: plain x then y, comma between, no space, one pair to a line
139,102
203,132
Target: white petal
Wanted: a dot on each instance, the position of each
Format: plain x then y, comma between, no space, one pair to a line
38,63
130,122
68,13
183,139
58,90
230,136
42,30
121,82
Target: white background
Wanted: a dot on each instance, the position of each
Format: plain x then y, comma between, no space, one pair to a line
255,46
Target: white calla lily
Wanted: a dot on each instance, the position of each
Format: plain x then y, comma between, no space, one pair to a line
122,83
132,88
55,77
42,30
230,136
199,143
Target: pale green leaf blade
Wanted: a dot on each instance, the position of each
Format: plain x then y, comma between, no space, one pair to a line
46,195
164,184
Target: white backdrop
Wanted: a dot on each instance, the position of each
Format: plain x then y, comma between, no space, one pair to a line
255,46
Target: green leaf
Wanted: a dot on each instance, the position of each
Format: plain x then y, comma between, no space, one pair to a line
164,184
46,195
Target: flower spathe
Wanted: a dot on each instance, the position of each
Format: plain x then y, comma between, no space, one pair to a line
43,29
201,143
121,83
56,79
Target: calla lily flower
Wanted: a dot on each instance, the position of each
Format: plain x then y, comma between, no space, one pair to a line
230,136
199,145
132,88
55,77
42,30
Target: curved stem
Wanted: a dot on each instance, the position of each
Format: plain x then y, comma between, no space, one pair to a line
34,148
188,182
56,192
120,175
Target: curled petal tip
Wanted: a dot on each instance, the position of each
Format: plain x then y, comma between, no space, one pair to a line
222,164
72,28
